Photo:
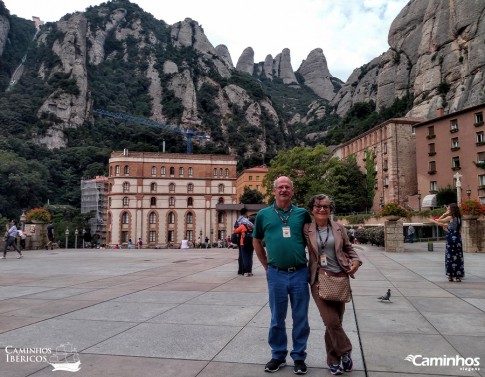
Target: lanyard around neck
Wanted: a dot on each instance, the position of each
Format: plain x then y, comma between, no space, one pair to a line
323,244
283,219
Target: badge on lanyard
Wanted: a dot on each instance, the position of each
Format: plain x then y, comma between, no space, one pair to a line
323,260
286,232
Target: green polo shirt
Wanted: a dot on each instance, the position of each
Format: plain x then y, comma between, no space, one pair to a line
283,252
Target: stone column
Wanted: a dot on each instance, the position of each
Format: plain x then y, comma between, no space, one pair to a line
472,237
393,236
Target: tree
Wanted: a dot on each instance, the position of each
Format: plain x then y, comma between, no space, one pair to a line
305,166
250,196
445,196
346,185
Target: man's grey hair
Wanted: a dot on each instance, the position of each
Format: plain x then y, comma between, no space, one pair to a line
275,185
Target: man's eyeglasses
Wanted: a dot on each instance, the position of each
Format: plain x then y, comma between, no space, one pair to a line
319,208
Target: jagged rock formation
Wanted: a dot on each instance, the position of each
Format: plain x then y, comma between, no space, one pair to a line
223,52
314,71
283,70
4,29
245,62
437,53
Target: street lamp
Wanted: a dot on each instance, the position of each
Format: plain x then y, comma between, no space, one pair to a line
468,192
76,232
419,200
84,232
23,218
67,236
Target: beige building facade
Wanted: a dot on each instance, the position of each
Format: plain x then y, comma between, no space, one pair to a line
252,178
391,148
169,197
452,146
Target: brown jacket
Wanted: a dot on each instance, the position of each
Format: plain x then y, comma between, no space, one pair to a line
343,248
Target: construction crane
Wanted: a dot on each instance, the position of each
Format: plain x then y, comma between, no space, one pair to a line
189,134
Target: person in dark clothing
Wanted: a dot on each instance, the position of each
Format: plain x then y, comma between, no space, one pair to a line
50,236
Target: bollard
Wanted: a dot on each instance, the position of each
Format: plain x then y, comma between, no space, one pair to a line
430,246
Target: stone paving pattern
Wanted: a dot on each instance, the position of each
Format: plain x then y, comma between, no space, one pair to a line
187,313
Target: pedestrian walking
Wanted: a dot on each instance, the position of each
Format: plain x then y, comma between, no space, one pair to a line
10,237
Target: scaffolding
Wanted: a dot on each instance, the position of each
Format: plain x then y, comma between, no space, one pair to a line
94,194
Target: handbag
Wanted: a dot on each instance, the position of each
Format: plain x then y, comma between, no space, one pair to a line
334,287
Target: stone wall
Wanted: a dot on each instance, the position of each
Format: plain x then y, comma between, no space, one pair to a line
472,236
393,236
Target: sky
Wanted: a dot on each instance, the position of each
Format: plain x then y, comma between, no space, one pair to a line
350,32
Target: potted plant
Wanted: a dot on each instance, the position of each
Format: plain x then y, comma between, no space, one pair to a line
472,208
39,215
392,211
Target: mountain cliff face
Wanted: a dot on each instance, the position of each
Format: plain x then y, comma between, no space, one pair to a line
437,53
117,57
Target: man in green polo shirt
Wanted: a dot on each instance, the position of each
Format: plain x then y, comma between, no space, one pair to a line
281,227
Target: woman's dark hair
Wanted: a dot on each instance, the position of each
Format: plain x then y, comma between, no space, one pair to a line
455,213
318,197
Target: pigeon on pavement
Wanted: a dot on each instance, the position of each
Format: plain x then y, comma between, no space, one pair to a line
386,297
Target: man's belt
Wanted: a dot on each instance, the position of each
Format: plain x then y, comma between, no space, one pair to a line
291,269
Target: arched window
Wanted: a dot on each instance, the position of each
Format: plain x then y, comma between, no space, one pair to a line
117,169
171,187
152,218
220,217
215,172
190,187
220,172
190,218
171,218
126,187
125,218
110,171
171,201
221,188
162,170
126,170
153,187
227,172
172,170
126,201
190,172
181,171
190,201
154,170
153,201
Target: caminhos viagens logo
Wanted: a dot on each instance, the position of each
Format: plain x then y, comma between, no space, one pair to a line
463,363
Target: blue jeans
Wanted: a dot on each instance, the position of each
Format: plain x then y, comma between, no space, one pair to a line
281,286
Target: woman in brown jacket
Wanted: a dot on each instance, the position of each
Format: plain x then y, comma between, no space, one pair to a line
330,249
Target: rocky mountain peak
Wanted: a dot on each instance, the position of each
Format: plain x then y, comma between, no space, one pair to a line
314,71
245,62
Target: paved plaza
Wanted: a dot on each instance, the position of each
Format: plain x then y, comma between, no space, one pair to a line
186,313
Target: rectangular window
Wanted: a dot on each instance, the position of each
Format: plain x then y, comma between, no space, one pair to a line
250,178
431,149
479,118
455,162
454,143
124,236
431,134
386,181
257,177
481,157
152,236
189,235
385,167
170,236
453,125
481,180
433,186
480,137
432,167
384,148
